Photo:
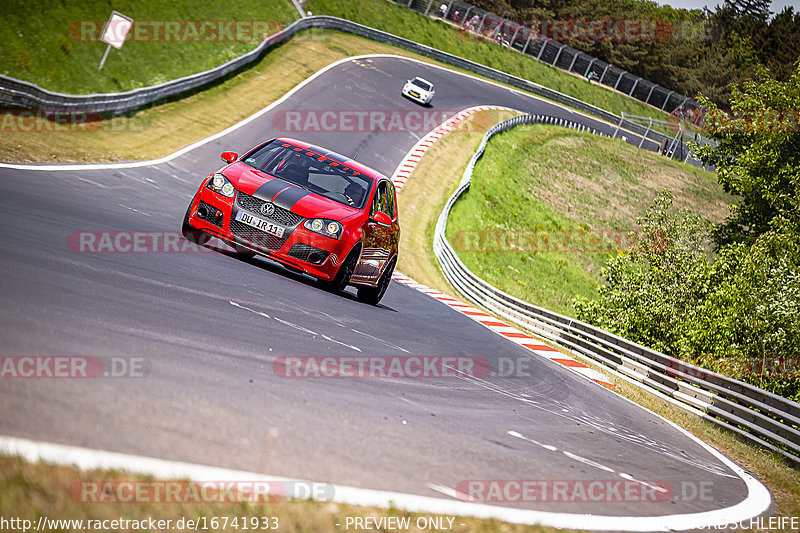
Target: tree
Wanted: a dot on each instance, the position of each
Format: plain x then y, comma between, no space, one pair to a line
736,312
652,290
758,156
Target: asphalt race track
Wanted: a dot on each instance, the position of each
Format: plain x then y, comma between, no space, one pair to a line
209,326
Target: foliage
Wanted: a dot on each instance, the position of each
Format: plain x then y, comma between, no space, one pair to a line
697,51
758,157
651,291
737,313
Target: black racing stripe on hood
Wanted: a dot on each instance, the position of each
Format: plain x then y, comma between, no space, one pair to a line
290,197
271,188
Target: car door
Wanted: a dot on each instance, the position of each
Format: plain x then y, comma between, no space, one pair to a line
380,238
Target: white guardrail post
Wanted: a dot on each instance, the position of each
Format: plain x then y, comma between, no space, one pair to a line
759,416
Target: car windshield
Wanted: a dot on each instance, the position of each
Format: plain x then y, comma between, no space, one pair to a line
421,84
312,171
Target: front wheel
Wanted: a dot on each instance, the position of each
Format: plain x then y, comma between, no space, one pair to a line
373,295
342,278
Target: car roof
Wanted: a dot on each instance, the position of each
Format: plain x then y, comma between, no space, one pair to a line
352,163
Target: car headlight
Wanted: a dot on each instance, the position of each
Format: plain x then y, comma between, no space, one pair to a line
220,185
323,226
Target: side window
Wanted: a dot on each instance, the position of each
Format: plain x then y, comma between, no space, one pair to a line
380,198
391,203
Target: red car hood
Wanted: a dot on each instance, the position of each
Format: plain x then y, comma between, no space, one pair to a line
283,194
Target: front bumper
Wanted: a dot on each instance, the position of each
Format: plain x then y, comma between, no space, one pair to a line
298,248
422,98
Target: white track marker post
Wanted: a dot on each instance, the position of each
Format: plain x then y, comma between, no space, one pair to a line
114,33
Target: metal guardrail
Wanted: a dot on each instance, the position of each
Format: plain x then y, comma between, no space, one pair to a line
21,94
755,414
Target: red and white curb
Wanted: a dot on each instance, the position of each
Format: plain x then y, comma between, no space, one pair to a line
410,161
509,332
399,178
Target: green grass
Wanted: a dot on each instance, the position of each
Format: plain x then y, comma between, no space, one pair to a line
41,41
404,22
539,196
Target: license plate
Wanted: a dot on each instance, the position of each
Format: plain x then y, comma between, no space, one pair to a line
415,95
260,224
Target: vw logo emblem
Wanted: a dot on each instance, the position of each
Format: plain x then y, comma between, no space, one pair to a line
267,209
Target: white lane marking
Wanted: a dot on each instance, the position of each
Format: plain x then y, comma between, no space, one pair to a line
453,493
333,320
521,436
756,503
81,178
586,461
629,477
356,348
628,436
134,210
373,337
240,306
254,116
293,325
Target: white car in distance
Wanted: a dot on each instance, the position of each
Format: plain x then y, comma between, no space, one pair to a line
420,90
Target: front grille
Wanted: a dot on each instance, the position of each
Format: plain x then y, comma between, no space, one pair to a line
259,238
303,252
281,216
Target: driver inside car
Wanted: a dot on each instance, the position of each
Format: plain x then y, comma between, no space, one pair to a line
354,193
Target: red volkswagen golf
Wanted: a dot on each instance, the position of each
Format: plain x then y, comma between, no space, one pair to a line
309,208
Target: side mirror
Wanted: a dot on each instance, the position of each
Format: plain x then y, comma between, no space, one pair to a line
229,157
381,218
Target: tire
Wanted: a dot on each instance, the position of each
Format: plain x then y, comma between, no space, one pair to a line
190,233
373,295
342,278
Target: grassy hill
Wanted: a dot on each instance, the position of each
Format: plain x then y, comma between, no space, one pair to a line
44,42
49,42
548,205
